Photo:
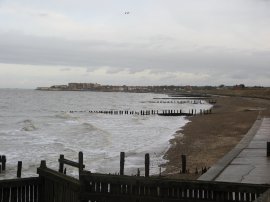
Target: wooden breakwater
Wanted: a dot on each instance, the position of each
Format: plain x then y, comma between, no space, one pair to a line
181,101
146,112
170,101
55,186
169,112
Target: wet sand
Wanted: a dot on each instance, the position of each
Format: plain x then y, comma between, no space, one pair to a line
207,138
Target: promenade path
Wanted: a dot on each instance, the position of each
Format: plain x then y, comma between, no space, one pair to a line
247,162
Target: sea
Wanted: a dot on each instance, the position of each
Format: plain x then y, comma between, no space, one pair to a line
41,125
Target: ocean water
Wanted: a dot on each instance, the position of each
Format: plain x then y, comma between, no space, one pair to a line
38,125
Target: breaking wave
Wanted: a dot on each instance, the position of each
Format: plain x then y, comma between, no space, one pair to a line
28,125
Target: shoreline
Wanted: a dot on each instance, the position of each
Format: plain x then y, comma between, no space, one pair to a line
206,139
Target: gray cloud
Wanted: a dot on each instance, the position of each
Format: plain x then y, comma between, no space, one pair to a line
22,49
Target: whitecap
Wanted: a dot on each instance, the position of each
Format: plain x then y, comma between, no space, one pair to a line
28,125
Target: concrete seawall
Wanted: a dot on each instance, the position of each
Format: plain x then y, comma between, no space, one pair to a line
214,172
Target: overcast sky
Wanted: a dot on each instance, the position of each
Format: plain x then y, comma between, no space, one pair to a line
160,42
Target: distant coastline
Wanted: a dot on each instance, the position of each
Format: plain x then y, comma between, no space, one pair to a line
235,90
111,88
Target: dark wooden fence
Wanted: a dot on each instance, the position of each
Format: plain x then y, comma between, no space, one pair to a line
54,186
20,190
111,188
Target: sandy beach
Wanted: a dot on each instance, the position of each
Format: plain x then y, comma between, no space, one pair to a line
207,138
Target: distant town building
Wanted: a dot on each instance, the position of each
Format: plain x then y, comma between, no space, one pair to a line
83,86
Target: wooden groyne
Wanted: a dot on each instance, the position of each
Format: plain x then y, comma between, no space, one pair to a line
163,112
171,112
165,101
55,186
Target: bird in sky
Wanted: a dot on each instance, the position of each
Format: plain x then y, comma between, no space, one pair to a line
127,12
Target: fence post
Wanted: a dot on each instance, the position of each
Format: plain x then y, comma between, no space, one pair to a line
147,164
268,148
122,162
80,162
61,164
184,163
19,169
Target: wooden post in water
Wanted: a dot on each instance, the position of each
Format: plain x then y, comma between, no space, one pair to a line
0,168
61,164
19,169
147,164
80,163
122,163
268,149
138,172
184,163
43,164
4,160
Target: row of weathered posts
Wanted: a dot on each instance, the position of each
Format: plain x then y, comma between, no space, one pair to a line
146,163
178,102
172,112
62,161
55,186
162,101
3,161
